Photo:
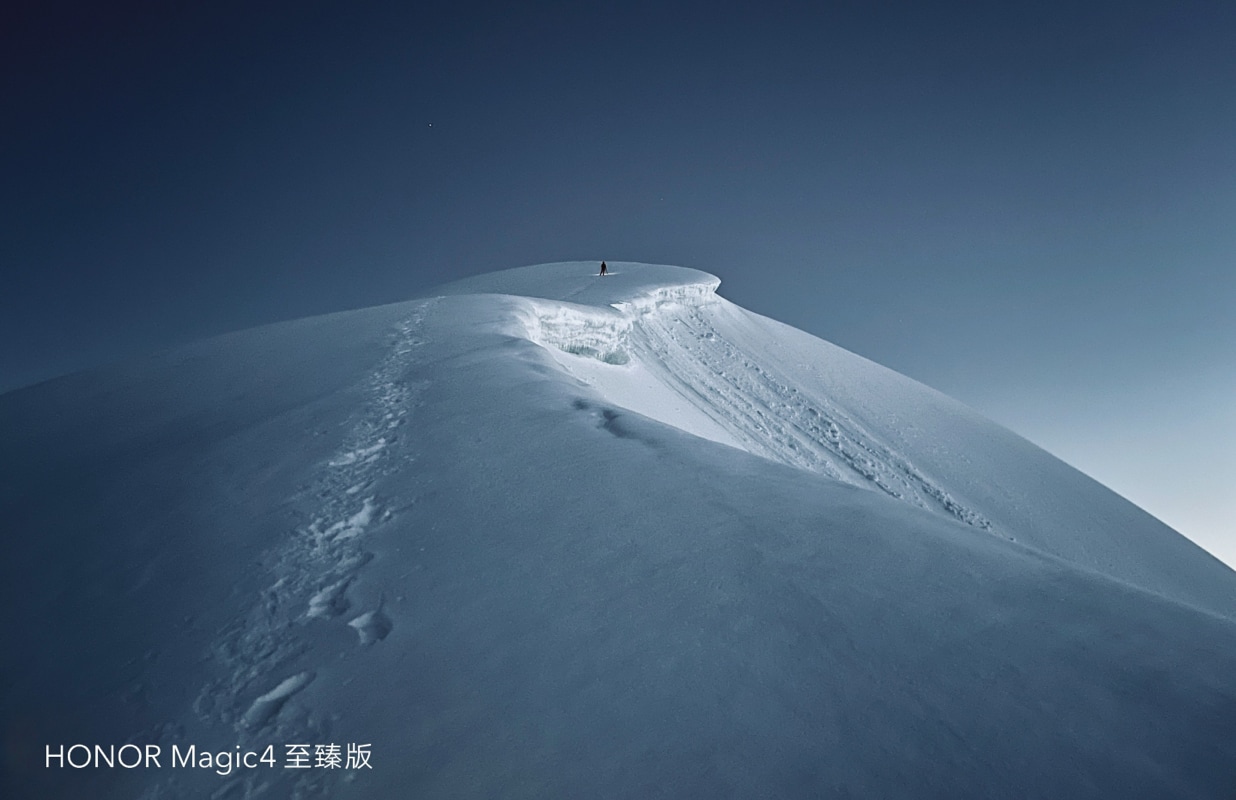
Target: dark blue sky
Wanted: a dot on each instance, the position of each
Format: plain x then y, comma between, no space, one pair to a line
1029,206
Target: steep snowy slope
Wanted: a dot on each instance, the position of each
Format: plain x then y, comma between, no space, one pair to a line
546,534
692,359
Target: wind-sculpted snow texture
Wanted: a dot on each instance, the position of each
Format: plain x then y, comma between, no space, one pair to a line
546,534
680,339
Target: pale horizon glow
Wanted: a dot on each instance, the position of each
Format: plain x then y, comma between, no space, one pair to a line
1172,451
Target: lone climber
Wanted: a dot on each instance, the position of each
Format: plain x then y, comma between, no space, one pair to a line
604,269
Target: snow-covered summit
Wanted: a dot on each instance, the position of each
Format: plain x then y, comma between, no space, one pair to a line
542,533
579,282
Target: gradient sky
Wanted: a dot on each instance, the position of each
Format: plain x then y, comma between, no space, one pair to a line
1031,207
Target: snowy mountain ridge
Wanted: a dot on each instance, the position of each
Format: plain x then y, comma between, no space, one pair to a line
540,533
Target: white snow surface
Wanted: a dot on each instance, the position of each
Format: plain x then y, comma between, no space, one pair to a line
541,533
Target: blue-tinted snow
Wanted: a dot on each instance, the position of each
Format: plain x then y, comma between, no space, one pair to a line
547,534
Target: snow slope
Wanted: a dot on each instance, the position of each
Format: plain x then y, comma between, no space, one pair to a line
548,534
692,359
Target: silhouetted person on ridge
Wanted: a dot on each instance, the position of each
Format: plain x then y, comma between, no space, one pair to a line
604,269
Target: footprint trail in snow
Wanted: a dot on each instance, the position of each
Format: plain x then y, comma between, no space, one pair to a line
315,573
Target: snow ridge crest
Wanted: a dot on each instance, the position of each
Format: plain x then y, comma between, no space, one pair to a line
604,333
